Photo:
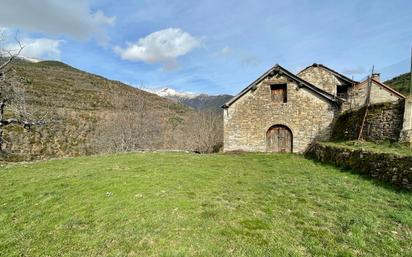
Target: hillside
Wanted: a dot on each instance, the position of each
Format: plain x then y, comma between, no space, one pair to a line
87,114
57,84
400,83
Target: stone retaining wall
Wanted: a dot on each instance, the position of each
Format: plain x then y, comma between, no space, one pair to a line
383,123
391,168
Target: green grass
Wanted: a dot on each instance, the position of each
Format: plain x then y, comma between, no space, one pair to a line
175,204
384,147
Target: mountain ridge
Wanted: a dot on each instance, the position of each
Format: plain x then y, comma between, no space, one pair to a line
199,101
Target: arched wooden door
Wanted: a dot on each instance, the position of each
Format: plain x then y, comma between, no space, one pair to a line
279,139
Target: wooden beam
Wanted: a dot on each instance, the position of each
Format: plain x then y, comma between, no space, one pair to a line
367,103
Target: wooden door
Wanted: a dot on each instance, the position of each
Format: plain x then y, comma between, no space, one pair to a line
279,139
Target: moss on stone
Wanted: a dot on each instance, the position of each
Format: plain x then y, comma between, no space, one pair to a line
387,166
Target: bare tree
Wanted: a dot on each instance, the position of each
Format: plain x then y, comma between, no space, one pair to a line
18,105
131,126
207,132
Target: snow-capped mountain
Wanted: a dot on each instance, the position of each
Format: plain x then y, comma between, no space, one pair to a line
170,93
197,101
29,59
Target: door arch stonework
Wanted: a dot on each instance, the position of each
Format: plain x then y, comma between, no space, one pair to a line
279,139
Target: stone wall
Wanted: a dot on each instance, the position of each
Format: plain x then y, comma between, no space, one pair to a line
321,78
391,168
383,123
357,95
406,134
306,114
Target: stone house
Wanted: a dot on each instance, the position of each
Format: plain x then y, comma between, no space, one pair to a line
284,112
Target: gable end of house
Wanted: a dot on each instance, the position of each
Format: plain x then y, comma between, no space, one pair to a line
279,70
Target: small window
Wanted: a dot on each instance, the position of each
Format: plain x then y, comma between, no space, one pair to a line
279,93
342,92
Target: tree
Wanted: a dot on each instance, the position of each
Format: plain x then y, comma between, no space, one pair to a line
130,126
207,131
23,117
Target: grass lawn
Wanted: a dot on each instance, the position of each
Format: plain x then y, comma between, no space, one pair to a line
176,204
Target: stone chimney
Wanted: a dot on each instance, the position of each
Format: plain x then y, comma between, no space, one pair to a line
376,76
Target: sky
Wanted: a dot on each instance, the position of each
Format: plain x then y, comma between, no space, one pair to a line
211,46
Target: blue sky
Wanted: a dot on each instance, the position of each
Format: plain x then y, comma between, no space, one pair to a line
212,46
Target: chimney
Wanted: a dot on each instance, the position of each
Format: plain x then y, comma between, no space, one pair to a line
376,76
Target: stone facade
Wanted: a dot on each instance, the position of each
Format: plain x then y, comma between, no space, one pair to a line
305,113
310,111
322,78
383,123
379,94
327,80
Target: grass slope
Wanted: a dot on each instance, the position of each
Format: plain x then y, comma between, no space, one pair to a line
175,204
383,147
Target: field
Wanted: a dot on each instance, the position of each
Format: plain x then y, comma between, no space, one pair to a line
177,204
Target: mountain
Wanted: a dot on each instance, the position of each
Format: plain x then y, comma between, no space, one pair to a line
206,102
196,101
170,93
85,114
400,83
29,59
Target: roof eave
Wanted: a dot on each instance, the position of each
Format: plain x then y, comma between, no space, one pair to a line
292,76
389,88
245,90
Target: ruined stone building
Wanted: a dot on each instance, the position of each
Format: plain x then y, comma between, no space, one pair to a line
284,112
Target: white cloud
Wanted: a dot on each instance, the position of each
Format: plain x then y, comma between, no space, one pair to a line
74,18
39,48
163,46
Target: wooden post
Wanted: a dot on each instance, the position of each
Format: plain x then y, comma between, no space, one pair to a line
367,103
